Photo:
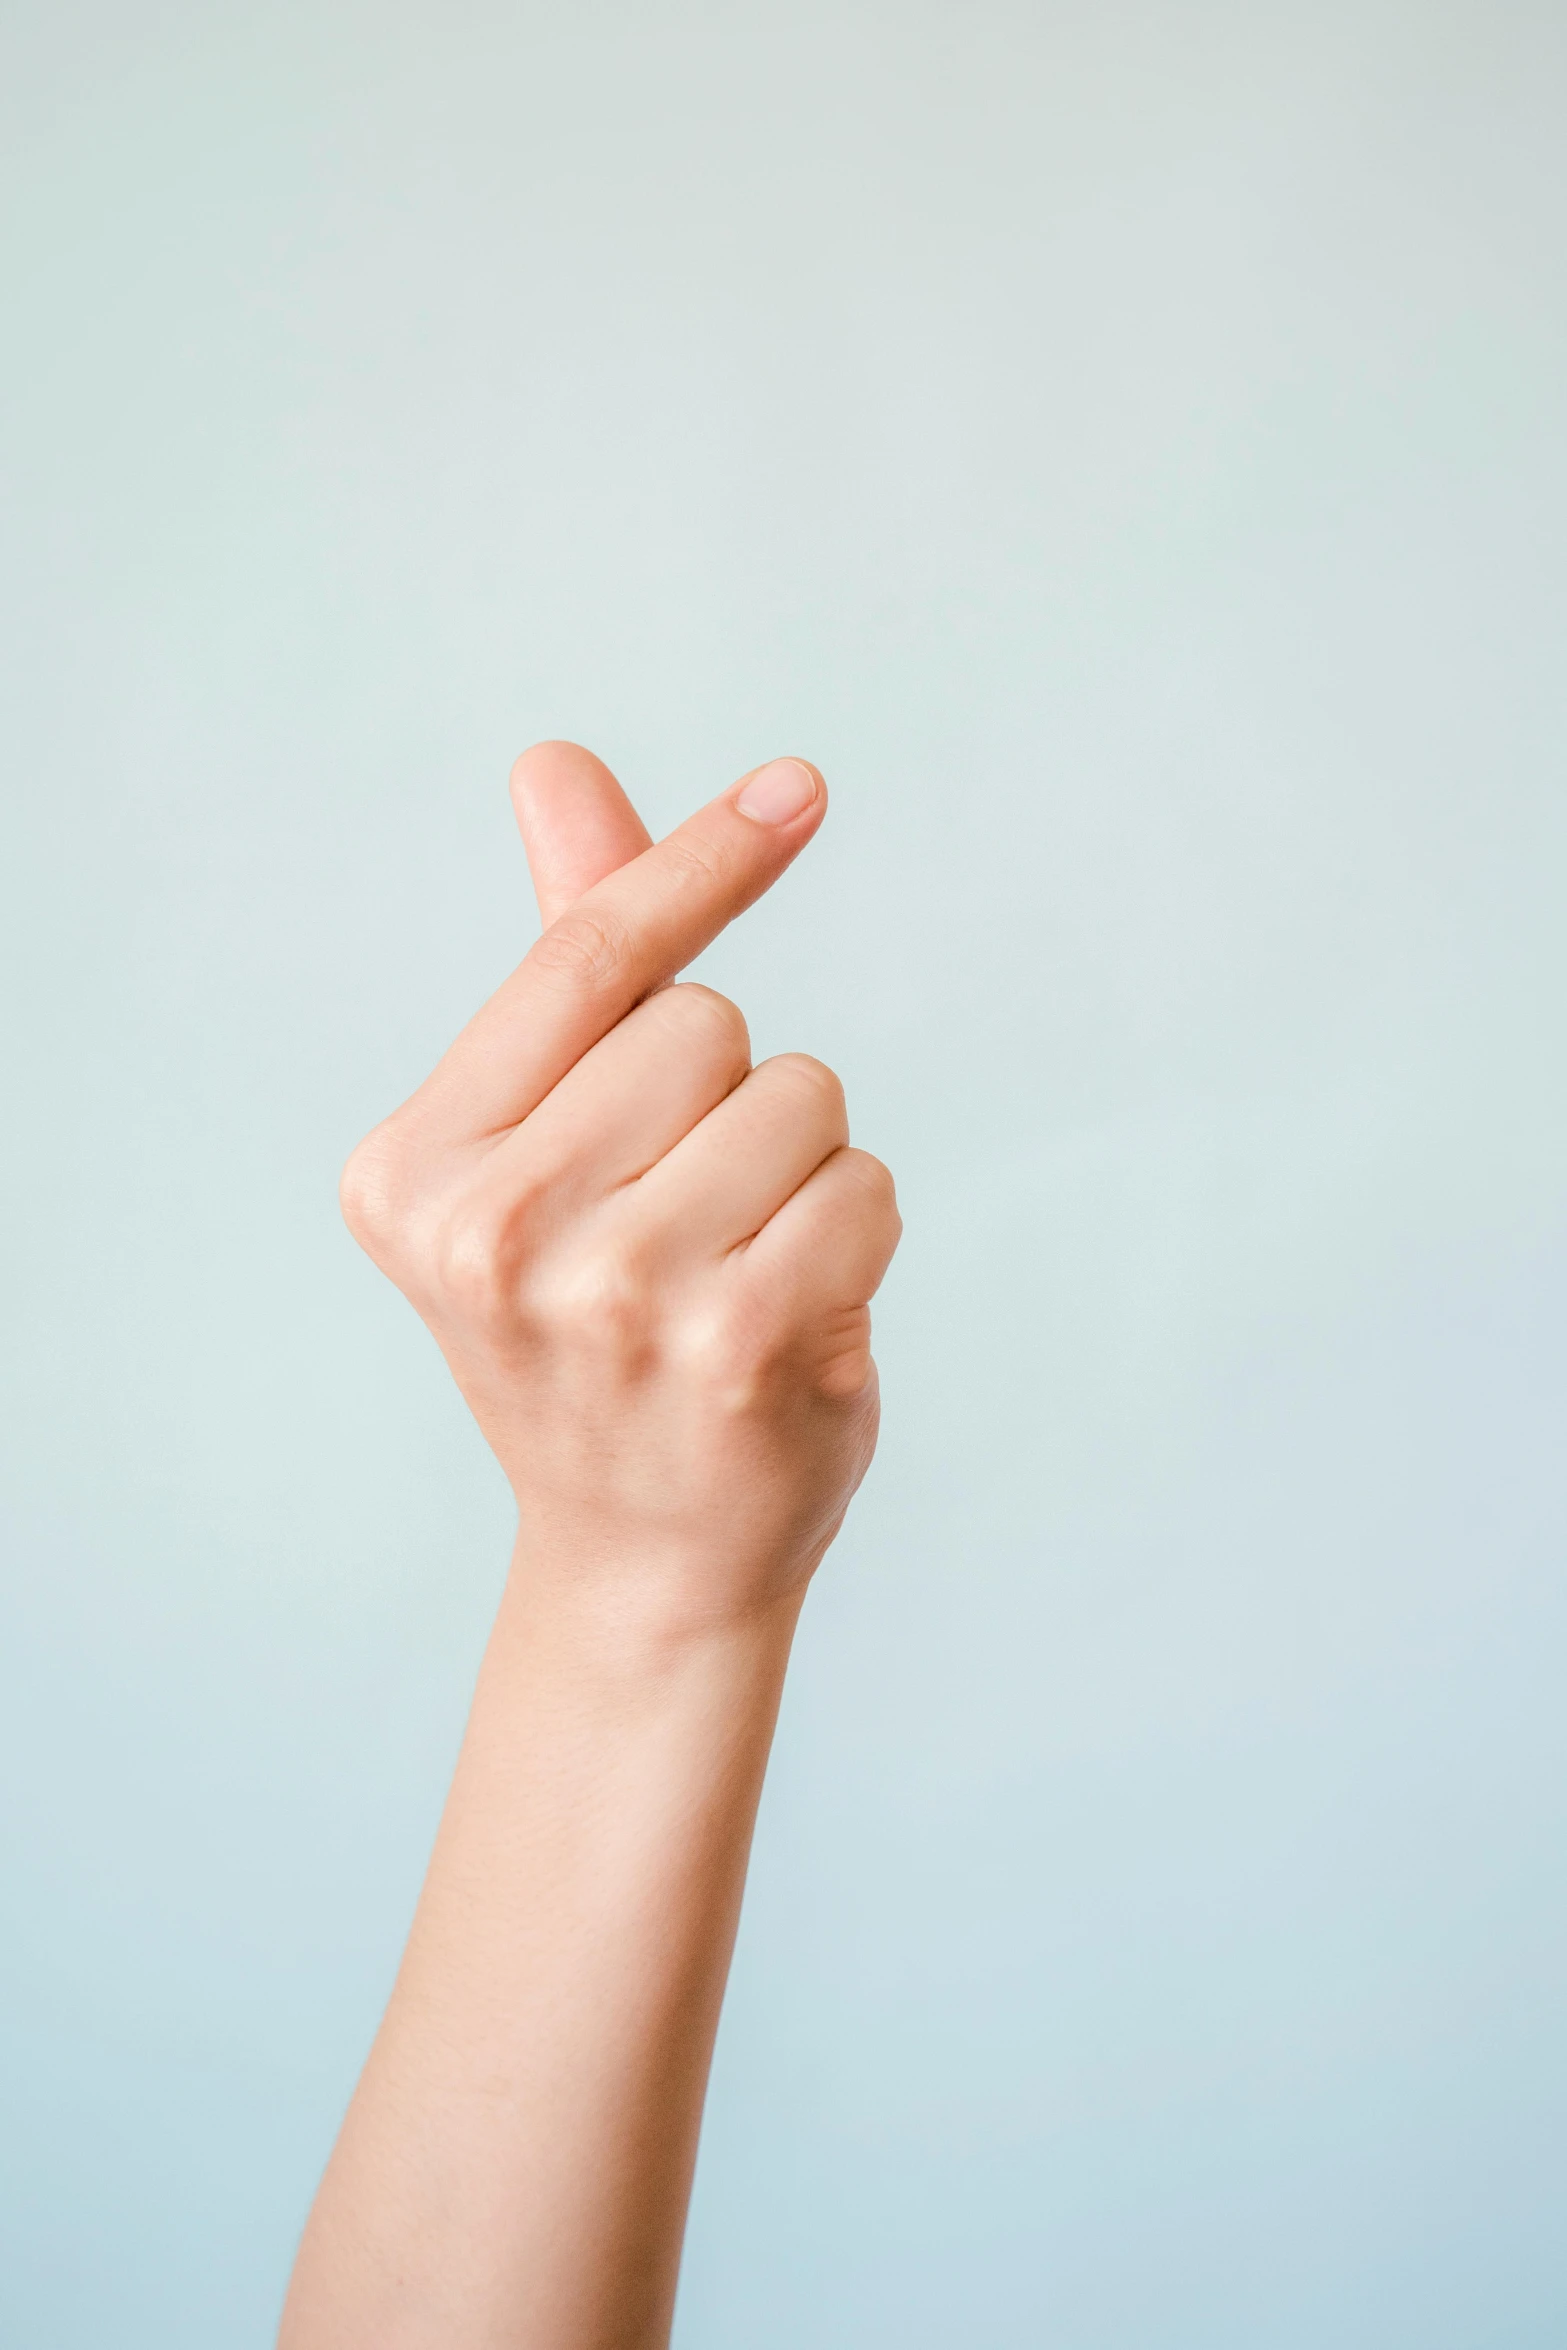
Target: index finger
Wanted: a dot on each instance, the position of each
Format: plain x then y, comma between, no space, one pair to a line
624,937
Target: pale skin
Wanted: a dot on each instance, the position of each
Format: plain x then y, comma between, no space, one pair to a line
649,1266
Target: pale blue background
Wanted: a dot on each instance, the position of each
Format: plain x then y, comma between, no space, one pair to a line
1125,447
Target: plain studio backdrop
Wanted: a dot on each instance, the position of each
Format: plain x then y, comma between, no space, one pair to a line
1124,446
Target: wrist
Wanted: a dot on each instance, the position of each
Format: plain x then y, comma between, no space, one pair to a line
646,1616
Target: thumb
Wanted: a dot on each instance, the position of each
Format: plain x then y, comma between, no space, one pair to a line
577,824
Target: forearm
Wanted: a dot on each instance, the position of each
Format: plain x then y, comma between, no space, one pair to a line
516,2164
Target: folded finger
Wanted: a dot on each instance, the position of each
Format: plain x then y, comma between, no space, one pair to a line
829,1245
634,1097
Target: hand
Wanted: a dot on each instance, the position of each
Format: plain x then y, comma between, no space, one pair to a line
648,1264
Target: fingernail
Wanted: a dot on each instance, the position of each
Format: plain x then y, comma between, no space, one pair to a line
778,791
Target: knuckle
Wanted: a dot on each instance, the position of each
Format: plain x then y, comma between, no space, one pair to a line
690,858
872,1175
370,1190
477,1254
600,1302
731,1351
873,1181
477,1263
583,949
705,1018
820,1085
845,1369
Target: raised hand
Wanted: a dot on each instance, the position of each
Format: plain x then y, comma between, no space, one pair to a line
648,1264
